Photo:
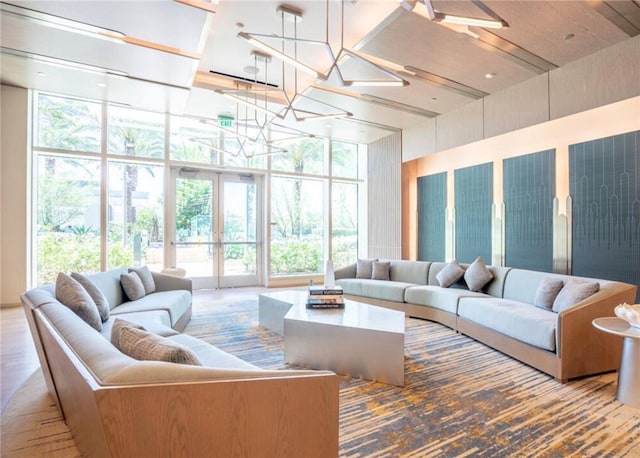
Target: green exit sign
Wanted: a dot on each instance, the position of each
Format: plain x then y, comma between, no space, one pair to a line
225,121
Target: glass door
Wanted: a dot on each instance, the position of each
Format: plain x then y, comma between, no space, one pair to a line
216,237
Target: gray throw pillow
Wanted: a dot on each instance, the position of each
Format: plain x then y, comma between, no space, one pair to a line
364,268
450,274
380,270
95,293
147,279
144,345
547,291
132,285
573,292
477,275
116,330
73,295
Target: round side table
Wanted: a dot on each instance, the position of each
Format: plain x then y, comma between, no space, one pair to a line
629,373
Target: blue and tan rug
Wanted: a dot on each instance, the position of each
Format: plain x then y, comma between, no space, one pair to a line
461,399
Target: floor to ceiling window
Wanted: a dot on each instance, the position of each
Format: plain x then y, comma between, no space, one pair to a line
106,180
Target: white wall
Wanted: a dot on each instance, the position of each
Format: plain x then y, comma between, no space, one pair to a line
14,197
384,194
603,78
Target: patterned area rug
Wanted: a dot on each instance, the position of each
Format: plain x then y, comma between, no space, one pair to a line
461,398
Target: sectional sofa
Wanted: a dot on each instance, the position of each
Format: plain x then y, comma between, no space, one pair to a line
120,406
558,341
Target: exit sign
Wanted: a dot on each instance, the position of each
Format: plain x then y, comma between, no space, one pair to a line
225,121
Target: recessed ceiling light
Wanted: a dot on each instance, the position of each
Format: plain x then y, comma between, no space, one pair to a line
489,75
102,85
434,98
42,74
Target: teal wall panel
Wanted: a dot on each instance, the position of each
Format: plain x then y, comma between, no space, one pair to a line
528,193
604,183
432,208
473,202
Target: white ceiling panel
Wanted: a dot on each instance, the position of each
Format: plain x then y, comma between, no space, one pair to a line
160,21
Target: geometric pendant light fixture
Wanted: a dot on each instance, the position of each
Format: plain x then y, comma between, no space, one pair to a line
387,77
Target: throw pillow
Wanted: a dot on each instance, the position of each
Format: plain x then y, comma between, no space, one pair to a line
73,295
95,293
147,279
364,268
132,285
144,345
573,292
547,291
380,270
116,330
477,275
450,274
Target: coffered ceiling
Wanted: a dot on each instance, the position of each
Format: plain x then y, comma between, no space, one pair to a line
173,55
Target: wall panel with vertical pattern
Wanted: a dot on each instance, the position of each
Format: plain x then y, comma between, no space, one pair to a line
529,190
604,180
432,211
473,203
384,177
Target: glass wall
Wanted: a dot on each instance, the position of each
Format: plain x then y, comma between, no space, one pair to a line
84,180
67,228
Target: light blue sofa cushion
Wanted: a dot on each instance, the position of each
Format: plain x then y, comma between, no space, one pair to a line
378,289
524,322
109,283
175,302
440,298
409,271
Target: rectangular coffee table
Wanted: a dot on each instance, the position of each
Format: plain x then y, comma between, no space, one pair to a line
360,340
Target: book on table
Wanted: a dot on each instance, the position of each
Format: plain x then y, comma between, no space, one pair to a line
321,290
325,303
321,297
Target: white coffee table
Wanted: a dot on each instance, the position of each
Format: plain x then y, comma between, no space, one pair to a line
360,340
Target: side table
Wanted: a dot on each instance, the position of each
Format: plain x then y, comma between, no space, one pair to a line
629,373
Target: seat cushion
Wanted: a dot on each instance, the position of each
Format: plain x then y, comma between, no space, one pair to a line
524,322
175,302
440,298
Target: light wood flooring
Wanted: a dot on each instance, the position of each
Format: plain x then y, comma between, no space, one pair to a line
17,352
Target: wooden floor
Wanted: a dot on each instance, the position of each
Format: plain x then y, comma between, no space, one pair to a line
17,352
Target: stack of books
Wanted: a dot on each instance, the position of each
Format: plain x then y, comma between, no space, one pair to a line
321,297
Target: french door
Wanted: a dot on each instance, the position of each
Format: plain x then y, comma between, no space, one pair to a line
217,227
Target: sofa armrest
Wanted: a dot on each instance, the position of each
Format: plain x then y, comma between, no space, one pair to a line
170,282
582,348
346,272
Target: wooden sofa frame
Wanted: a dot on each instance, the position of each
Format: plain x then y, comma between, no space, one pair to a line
253,417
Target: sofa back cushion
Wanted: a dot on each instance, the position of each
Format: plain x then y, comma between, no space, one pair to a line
109,283
522,285
409,271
